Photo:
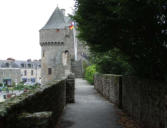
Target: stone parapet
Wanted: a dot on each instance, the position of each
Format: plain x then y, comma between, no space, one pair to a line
108,85
144,100
51,97
70,89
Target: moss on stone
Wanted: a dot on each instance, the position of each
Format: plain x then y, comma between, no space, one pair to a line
36,115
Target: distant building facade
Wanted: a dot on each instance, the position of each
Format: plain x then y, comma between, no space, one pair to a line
57,46
13,71
9,76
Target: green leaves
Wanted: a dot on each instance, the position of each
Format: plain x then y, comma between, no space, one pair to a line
89,73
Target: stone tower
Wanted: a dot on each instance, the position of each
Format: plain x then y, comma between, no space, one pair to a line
56,40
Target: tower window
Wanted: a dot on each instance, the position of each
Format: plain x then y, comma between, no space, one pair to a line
49,71
43,53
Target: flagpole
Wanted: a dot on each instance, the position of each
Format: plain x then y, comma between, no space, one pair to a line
75,43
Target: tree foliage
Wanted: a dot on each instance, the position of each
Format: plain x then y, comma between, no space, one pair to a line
137,27
111,62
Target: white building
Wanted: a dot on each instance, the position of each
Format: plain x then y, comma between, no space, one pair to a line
12,71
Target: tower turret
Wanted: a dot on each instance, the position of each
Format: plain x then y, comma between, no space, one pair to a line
56,40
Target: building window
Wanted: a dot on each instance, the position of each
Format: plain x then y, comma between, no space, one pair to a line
25,72
33,80
49,71
32,72
7,65
43,54
24,80
22,65
29,65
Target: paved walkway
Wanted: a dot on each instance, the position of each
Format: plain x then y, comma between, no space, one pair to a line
90,110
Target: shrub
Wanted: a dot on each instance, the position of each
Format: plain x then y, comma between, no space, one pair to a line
84,65
1,84
19,87
89,74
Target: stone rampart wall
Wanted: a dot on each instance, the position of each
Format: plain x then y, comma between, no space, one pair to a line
49,98
144,100
108,85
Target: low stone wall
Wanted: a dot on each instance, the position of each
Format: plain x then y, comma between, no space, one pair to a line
109,86
144,100
70,89
51,97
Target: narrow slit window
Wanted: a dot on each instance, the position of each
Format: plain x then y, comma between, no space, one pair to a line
43,53
49,71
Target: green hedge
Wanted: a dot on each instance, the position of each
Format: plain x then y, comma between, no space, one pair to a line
89,73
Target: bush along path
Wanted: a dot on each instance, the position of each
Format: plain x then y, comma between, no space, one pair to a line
89,111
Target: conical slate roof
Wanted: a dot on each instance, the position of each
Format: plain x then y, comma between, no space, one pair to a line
56,21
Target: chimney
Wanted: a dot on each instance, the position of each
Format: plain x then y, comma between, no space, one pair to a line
63,11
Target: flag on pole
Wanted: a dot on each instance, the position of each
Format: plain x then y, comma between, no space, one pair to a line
71,26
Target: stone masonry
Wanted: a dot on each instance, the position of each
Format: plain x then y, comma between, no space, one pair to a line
38,108
57,43
144,100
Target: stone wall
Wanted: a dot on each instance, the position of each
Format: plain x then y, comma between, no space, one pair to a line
70,89
109,86
144,100
77,69
48,98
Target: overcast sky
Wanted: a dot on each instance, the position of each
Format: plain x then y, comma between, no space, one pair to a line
20,21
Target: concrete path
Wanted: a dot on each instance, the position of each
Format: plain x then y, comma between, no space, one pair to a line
90,110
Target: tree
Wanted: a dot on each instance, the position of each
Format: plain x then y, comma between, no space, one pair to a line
111,62
137,27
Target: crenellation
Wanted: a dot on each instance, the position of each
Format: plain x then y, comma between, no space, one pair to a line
51,43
